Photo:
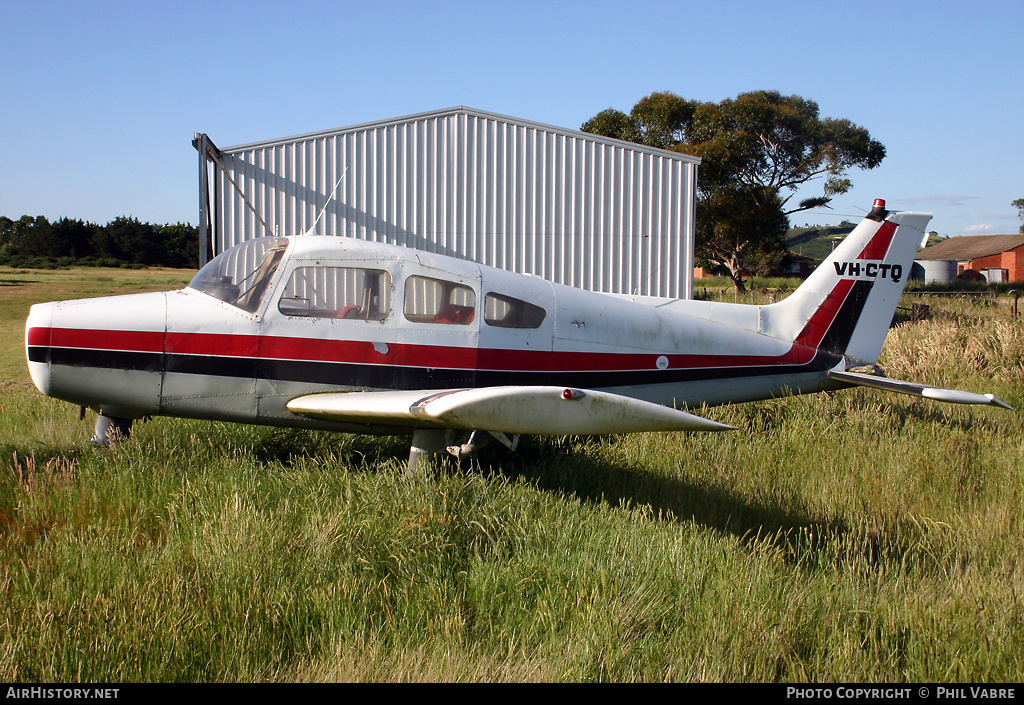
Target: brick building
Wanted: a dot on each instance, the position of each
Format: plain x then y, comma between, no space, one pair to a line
996,257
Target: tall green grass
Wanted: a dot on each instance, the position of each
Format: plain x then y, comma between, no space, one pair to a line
845,537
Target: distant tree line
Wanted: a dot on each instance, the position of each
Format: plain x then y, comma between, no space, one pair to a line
123,242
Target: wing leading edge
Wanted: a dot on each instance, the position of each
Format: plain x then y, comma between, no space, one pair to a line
512,409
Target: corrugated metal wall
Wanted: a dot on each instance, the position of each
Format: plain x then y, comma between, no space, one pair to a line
571,207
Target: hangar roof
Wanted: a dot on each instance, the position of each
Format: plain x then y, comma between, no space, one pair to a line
472,112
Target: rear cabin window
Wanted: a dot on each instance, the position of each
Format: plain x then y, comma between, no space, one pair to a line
508,312
429,300
337,292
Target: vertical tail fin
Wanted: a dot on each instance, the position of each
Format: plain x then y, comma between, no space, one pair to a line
846,305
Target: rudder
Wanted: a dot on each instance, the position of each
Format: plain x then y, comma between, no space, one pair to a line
846,305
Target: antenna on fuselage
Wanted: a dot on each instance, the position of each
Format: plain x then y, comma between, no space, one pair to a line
329,199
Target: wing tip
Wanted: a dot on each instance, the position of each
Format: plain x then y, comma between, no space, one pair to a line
996,401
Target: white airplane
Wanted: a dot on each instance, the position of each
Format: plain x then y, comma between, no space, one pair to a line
348,335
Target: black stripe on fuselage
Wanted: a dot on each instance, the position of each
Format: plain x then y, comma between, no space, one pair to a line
367,376
103,359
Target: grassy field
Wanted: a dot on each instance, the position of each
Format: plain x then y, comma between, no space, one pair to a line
849,537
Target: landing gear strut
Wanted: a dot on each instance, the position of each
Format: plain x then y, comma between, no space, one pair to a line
427,442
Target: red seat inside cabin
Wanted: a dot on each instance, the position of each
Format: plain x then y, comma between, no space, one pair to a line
453,313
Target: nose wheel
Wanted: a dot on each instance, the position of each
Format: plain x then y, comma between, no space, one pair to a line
110,430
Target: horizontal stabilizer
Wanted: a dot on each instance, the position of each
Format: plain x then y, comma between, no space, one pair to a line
952,396
518,409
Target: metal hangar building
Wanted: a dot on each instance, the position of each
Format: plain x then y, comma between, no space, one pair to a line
571,207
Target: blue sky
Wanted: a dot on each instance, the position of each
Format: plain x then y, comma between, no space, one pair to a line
100,99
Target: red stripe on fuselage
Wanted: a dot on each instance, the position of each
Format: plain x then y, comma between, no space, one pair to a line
38,337
531,360
128,340
399,354
213,344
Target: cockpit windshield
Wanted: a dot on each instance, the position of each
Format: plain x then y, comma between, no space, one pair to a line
240,276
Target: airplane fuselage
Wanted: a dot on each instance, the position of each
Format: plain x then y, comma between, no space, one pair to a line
294,316
349,335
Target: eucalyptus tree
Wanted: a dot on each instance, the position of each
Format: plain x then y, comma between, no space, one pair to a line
758,151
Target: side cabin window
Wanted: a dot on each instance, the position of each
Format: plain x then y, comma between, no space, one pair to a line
508,312
429,300
351,293
240,276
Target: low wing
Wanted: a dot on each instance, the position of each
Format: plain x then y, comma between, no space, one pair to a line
952,396
526,410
